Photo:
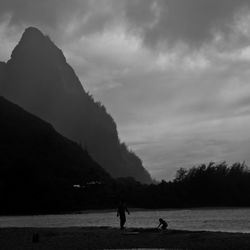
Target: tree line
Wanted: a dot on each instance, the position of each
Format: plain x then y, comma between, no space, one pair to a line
213,184
204,185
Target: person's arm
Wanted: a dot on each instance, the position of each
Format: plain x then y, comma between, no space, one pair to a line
159,225
127,210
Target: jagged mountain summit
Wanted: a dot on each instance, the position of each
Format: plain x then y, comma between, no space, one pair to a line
38,78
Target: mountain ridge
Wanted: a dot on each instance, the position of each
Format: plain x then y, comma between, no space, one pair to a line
39,167
38,78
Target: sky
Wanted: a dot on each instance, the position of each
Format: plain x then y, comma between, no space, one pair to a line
174,74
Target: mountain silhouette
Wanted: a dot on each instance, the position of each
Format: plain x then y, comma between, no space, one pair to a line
38,165
2,70
38,78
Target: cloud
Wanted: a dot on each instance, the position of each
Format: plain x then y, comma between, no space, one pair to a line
40,12
156,21
173,74
192,21
63,18
9,36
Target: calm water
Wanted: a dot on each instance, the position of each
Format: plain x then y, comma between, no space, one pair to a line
228,220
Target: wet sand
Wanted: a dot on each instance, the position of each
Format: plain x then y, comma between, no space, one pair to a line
113,238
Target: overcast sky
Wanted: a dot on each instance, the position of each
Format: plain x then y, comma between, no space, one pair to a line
174,74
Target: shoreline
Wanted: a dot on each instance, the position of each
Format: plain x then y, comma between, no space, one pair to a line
113,238
109,210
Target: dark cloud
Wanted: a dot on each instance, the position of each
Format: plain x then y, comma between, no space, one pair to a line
58,17
191,21
158,21
167,96
46,12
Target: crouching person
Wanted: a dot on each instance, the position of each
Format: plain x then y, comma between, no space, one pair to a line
162,224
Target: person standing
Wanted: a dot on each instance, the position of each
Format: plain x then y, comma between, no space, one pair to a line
121,212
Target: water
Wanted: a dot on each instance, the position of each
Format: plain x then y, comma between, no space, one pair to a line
227,220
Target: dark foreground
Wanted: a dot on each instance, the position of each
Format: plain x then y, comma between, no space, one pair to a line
112,238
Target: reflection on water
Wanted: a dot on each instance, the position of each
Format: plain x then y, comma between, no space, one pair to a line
229,220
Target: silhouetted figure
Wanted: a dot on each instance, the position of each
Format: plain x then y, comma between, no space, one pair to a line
163,224
121,212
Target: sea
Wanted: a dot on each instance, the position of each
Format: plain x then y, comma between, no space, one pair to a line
210,219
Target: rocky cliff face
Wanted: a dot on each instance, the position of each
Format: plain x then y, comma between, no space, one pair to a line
38,78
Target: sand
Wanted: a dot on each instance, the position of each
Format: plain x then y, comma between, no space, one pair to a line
113,238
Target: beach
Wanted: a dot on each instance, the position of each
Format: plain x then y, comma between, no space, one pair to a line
112,238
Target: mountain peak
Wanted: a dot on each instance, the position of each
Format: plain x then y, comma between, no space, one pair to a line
32,32
39,79
35,45
32,38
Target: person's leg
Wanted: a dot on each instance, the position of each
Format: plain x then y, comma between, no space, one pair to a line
122,221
